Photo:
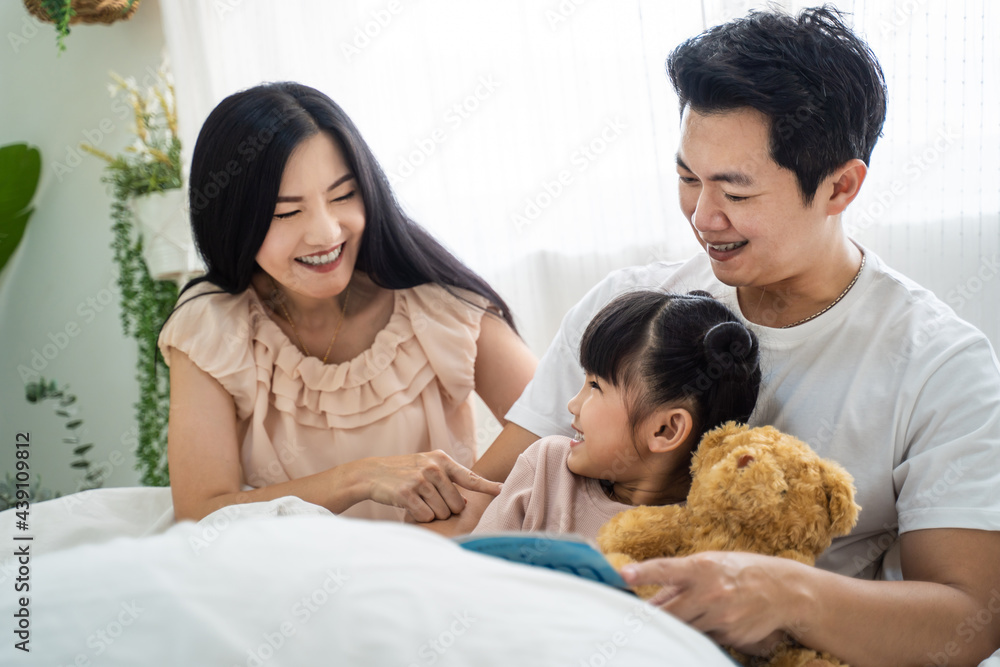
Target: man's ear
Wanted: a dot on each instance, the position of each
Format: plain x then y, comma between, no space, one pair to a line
667,429
847,180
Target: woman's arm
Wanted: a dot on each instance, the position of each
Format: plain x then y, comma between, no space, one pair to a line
504,366
205,470
947,612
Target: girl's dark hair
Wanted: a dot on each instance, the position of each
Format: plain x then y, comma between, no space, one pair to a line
659,348
819,84
236,171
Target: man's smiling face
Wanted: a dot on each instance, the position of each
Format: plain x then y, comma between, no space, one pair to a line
746,211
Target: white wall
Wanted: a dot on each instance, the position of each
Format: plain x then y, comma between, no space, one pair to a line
61,277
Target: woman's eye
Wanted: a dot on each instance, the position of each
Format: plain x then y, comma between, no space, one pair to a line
345,197
282,216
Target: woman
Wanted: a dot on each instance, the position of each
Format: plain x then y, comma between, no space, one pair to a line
330,350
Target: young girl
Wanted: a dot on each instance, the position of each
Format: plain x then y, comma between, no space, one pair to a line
662,369
333,345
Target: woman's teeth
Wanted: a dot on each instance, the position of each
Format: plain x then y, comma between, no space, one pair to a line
728,246
317,260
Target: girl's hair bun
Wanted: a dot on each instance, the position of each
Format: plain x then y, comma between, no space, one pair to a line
730,340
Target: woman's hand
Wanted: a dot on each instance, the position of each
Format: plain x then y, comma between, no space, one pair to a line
738,599
423,484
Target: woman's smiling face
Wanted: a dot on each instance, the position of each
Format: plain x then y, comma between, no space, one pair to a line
311,247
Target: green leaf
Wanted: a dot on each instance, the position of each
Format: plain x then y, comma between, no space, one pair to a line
68,400
11,232
80,464
63,413
20,167
82,449
74,424
71,441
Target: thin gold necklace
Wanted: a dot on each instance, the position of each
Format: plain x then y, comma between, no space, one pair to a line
280,299
835,301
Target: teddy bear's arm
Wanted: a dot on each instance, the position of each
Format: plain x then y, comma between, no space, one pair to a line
645,532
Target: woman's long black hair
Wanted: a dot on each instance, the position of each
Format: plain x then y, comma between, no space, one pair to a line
236,171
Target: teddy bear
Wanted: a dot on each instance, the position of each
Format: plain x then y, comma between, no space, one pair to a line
753,489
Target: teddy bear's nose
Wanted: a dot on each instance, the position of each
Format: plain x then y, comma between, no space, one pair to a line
744,461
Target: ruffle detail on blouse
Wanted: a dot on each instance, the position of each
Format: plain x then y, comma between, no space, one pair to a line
431,336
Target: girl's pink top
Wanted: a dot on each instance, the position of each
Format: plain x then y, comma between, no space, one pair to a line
541,494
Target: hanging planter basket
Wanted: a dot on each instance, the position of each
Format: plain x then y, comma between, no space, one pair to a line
86,11
64,13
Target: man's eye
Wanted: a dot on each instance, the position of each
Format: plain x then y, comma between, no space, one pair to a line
736,198
688,180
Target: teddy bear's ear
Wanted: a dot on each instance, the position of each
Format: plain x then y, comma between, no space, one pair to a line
839,487
711,440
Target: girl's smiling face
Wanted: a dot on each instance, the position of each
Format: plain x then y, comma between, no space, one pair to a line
311,247
604,446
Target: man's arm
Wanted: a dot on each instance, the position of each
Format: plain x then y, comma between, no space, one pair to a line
946,612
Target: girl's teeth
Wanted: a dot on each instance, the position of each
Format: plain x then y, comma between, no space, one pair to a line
728,246
317,260
579,436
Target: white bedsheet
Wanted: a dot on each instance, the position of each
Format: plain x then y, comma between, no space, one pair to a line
114,583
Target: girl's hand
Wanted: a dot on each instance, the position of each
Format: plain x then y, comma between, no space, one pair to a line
423,484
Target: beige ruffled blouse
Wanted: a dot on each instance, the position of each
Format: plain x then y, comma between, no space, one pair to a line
411,391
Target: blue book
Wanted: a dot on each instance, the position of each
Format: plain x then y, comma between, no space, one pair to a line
562,552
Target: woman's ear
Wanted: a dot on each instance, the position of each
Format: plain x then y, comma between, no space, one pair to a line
667,429
847,180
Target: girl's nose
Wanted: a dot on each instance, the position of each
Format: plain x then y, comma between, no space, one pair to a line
574,404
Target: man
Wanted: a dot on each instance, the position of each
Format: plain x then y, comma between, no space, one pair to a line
779,118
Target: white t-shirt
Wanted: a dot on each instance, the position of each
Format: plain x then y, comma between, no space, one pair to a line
889,382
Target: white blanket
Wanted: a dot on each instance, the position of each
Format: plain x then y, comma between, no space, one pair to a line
112,582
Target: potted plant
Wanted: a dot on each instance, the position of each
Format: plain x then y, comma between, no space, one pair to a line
64,13
150,168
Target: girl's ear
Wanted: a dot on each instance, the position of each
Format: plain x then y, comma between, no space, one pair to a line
667,429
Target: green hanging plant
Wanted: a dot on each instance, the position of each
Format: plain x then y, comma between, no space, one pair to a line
151,164
63,13
93,476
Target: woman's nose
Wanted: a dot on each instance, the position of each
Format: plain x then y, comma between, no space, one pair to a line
324,228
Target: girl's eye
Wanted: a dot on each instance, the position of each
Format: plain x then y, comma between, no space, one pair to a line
282,216
594,385
349,195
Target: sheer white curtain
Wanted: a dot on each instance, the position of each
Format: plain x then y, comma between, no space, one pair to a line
537,139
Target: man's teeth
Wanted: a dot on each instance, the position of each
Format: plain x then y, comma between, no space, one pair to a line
316,260
728,246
